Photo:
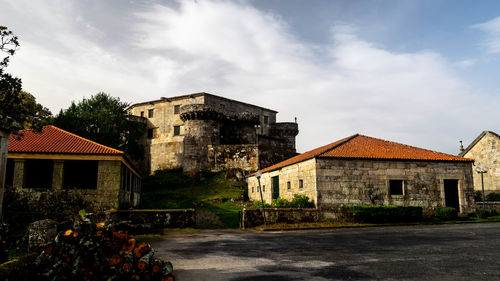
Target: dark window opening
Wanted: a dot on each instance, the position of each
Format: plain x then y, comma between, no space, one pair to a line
288,185
150,113
266,119
177,109
396,187
80,174
252,189
222,106
263,188
9,176
301,183
150,133
38,173
142,113
177,130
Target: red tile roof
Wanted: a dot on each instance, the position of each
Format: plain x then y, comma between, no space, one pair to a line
364,147
53,140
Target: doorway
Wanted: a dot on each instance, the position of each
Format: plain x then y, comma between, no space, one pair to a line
275,184
451,194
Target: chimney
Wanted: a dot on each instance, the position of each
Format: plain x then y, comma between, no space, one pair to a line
461,147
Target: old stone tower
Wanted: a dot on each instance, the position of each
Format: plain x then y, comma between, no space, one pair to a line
201,131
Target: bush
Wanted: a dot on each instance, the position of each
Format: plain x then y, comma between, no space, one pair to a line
301,201
493,197
280,203
258,205
446,213
381,214
483,214
478,196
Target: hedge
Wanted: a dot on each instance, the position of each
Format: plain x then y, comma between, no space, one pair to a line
381,214
446,213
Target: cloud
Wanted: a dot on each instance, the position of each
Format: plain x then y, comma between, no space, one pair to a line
237,51
492,29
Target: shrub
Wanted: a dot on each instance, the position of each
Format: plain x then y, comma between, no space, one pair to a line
446,213
280,203
258,205
493,197
478,196
381,214
482,214
301,201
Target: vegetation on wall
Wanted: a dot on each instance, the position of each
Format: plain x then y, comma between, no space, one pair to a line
298,201
381,214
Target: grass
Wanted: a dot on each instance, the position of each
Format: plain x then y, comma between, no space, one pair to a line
170,189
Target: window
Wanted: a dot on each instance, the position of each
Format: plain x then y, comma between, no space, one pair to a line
142,113
396,187
80,174
177,109
301,183
151,133
38,173
252,189
266,119
150,113
222,106
263,188
177,130
258,188
288,185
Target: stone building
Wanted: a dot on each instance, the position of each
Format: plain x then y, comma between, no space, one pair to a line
206,132
56,159
361,170
485,150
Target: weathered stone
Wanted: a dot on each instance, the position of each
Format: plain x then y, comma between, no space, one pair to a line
40,233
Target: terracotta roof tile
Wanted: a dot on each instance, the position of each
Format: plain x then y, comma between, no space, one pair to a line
364,147
53,140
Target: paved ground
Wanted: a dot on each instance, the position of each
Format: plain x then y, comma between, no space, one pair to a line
451,252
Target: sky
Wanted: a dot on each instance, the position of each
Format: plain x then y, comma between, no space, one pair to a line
423,73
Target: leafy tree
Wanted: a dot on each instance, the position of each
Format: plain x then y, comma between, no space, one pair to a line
104,119
21,107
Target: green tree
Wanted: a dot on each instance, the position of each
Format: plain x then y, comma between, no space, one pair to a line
20,107
104,119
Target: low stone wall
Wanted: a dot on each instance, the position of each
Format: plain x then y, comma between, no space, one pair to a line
254,217
157,219
489,206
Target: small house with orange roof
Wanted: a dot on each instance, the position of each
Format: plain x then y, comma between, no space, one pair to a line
361,170
59,160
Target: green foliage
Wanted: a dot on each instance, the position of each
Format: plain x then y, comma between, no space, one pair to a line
258,205
483,214
381,214
280,203
301,201
478,196
446,213
493,197
104,119
21,107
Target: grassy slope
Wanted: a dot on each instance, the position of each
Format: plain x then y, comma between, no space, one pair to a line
172,190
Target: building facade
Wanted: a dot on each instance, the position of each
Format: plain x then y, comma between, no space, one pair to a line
361,170
201,131
58,160
485,150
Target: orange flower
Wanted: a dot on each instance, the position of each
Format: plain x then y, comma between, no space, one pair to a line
100,224
75,234
68,232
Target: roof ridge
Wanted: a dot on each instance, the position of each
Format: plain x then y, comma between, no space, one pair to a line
85,139
347,139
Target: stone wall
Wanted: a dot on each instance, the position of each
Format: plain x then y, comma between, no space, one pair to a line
486,153
305,171
237,156
366,182
254,217
107,193
489,206
157,219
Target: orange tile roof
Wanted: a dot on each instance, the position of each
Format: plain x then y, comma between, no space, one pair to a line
53,140
364,147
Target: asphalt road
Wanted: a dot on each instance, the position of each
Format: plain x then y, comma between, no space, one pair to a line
450,252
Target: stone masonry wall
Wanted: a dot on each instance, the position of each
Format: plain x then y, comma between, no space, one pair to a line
254,217
305,171
486,153
237,156
108,185
366,182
